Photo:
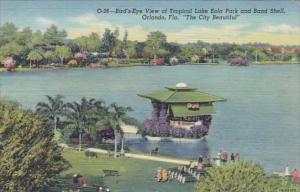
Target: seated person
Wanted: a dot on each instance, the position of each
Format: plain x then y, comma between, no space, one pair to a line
165,176
200,167
158,175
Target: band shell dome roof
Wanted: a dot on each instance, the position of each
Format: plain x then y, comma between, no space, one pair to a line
181,85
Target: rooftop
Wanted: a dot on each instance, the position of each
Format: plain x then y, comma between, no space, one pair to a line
181,93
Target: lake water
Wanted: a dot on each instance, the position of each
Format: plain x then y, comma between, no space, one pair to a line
260,119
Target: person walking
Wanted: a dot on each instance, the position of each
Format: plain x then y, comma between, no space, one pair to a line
219,154
225,156
232,157
200,160
286,171
237,157
295,176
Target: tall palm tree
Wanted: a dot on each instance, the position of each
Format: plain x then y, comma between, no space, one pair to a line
120,114
84,115
53,108
77,114
111,120
97,111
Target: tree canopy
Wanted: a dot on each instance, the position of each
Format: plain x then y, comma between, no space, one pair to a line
237,177
30,159
53,36
155,42
19,43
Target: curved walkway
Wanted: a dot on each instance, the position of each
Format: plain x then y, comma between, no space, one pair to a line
145,157
139,156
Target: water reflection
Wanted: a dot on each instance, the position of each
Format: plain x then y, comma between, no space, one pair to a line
189,150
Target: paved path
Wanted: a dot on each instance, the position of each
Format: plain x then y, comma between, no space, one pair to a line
158,158
146,157
139,156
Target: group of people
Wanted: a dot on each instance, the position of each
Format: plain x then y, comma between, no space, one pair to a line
162,175
294,174
80,182
204,159
102,189
223,156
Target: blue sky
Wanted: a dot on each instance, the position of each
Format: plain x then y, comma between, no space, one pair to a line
80,18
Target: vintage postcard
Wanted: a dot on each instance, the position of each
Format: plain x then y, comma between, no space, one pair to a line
149,96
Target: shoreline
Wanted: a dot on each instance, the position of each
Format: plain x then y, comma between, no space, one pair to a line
142,156
27,69
149,157
172,139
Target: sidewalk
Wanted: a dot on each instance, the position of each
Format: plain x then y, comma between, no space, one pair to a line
139,156
145,157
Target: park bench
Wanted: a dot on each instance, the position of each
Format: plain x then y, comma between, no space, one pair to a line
185,175
154,151
107,172
90,154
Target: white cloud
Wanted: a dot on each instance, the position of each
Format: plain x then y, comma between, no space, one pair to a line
97,27
85,19
280,34
283,28
44,21
89,23
226,33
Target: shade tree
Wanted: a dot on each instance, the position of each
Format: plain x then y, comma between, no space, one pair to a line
34,56
236,177
54,36
63,52
30,160
155,43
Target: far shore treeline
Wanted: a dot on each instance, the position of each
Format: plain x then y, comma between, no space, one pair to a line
27,48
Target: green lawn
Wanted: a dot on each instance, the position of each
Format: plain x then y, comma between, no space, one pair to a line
23,69
136,175
128,65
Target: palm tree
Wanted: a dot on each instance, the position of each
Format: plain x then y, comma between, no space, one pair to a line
34,55
77,113
96,113
53,108
111,120
120,114
84,115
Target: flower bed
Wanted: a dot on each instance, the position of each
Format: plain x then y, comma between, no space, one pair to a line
158,125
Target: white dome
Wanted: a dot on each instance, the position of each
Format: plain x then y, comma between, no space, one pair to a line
181,85
198,123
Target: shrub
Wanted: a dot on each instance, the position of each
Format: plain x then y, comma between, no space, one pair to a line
237,177
159,61
58,136
238,61
174,60
72,63
80,56
10,64
195,59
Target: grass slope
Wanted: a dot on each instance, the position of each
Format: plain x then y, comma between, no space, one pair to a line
136,175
